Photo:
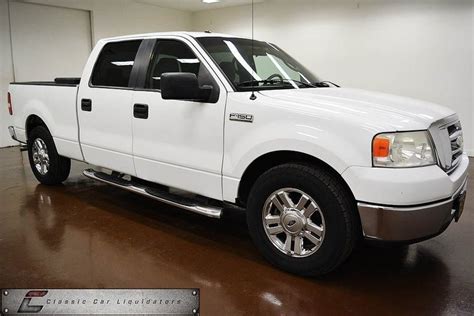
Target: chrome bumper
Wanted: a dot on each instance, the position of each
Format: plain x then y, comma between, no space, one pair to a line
410,224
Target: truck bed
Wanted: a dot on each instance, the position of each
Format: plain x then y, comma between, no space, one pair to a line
55,103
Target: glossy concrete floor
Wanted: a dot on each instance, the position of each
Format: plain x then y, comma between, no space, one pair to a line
89,235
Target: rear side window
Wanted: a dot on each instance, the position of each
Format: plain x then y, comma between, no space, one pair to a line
115,63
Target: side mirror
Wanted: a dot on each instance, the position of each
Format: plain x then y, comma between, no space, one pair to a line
183,86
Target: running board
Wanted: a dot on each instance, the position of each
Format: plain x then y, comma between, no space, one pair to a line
160,195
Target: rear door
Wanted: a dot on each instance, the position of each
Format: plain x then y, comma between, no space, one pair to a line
179,143
105,106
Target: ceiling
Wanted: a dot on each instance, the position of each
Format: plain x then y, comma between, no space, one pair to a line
196,5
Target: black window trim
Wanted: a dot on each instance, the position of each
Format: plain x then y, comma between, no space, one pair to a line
142,62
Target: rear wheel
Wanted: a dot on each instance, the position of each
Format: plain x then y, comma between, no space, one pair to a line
302,219
47,165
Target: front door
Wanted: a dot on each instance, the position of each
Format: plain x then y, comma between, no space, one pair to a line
178,143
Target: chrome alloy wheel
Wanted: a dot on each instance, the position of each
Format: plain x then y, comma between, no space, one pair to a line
40,156
293,222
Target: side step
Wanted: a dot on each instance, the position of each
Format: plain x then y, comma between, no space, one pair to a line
196,206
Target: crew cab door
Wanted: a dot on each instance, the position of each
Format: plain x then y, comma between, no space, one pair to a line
105,106
178,143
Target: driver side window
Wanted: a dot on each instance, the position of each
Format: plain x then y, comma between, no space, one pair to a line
170,56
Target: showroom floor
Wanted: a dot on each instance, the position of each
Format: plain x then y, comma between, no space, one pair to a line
89,235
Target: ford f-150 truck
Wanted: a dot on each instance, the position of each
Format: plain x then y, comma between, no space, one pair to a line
207,122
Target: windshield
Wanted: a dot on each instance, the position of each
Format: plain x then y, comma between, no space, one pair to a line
267,68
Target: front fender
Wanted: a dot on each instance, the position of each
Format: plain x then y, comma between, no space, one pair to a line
338,143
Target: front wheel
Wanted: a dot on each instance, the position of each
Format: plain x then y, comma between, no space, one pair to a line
302,219
47,165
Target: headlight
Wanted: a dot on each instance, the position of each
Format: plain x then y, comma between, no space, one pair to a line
401,150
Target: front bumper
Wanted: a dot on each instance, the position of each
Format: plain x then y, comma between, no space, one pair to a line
412,223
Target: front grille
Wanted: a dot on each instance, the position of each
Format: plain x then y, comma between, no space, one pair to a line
456,144
446,134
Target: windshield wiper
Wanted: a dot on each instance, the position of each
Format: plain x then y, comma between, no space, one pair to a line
273,81
325,84
253,82
309,85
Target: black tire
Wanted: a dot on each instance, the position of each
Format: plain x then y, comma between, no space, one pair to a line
59,166
336,204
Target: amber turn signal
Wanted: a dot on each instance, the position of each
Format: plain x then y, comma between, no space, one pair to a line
381,146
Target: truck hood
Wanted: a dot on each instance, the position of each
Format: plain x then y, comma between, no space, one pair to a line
387,112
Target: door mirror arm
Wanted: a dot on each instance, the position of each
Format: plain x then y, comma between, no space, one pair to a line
205,92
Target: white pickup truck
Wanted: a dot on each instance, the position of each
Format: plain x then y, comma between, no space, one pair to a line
209,121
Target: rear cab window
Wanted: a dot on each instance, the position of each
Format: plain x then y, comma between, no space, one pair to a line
114,64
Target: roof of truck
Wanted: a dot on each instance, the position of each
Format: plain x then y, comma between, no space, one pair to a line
192,34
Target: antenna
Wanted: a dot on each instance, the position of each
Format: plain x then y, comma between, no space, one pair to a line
253,96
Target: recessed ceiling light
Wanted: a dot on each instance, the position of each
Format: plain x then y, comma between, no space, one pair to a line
210,1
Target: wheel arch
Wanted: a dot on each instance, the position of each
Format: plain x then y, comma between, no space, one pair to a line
275,158
32,121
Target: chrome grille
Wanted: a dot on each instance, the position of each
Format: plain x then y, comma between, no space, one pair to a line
447,137
457,144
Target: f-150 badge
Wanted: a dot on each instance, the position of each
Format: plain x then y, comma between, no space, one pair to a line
241,117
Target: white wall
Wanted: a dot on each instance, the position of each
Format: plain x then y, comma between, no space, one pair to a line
422,49
124,17
6,73
44,47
